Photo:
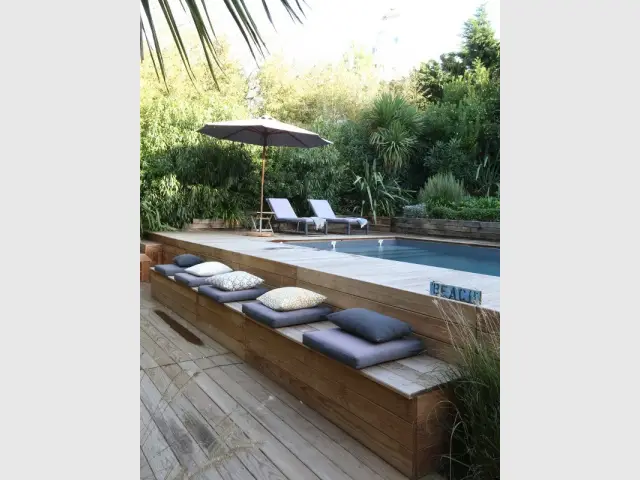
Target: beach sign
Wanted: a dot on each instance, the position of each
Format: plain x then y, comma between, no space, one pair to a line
452,292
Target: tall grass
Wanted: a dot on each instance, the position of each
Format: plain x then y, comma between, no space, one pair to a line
474,433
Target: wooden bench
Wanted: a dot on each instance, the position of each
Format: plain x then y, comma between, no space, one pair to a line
397,409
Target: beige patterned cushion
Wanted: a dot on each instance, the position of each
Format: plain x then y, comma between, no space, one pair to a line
291,298
208,269
234,281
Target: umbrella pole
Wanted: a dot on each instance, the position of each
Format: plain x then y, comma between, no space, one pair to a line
264,156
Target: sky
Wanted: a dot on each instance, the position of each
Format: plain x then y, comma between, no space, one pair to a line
418,30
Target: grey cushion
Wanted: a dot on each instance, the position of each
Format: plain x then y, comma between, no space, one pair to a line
342,220
168,270
222,296
294,220
370,325
187,260
274,319
189,280
357,352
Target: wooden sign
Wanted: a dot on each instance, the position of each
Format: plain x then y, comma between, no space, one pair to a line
452,292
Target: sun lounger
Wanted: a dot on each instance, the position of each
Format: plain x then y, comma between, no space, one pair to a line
283,213
322,209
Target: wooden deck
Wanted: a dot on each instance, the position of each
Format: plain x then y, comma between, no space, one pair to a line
203,409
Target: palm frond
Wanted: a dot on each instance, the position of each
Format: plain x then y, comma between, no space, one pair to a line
197,12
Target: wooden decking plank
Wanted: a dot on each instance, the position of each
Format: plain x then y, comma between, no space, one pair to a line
339,455
179,347
366,456
145,470
204,363
322,466
210,347
163,342
270,445
194,351
184,447
158,354
225,359
254,460
197,426
154,446
146,360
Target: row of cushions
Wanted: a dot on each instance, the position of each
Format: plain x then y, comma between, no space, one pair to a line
301,303
363,323
364,337
216,274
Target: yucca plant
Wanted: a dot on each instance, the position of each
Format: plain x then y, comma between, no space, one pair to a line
394,125
376,194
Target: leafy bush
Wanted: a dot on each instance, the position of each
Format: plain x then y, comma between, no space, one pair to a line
464,213
394,125
485,209
443,119
442,189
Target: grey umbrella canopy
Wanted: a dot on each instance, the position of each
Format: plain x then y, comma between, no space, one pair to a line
267,132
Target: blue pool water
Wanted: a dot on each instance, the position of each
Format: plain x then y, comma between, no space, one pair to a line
484,260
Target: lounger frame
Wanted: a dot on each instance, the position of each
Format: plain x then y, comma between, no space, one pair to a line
337,220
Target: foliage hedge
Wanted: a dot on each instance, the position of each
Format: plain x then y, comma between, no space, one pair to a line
484,209
388,137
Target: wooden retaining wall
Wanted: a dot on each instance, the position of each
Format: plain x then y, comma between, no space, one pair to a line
473,230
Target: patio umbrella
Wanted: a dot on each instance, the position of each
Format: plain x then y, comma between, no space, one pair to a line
264,131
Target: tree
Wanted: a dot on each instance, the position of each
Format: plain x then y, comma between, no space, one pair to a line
197,10
480,42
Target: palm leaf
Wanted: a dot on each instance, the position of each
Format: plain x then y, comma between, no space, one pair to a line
240,13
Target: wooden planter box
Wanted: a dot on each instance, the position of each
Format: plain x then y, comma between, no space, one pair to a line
470,229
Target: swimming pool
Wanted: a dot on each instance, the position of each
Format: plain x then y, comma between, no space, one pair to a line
467,258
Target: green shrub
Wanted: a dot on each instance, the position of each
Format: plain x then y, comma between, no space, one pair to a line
414,211
441,189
